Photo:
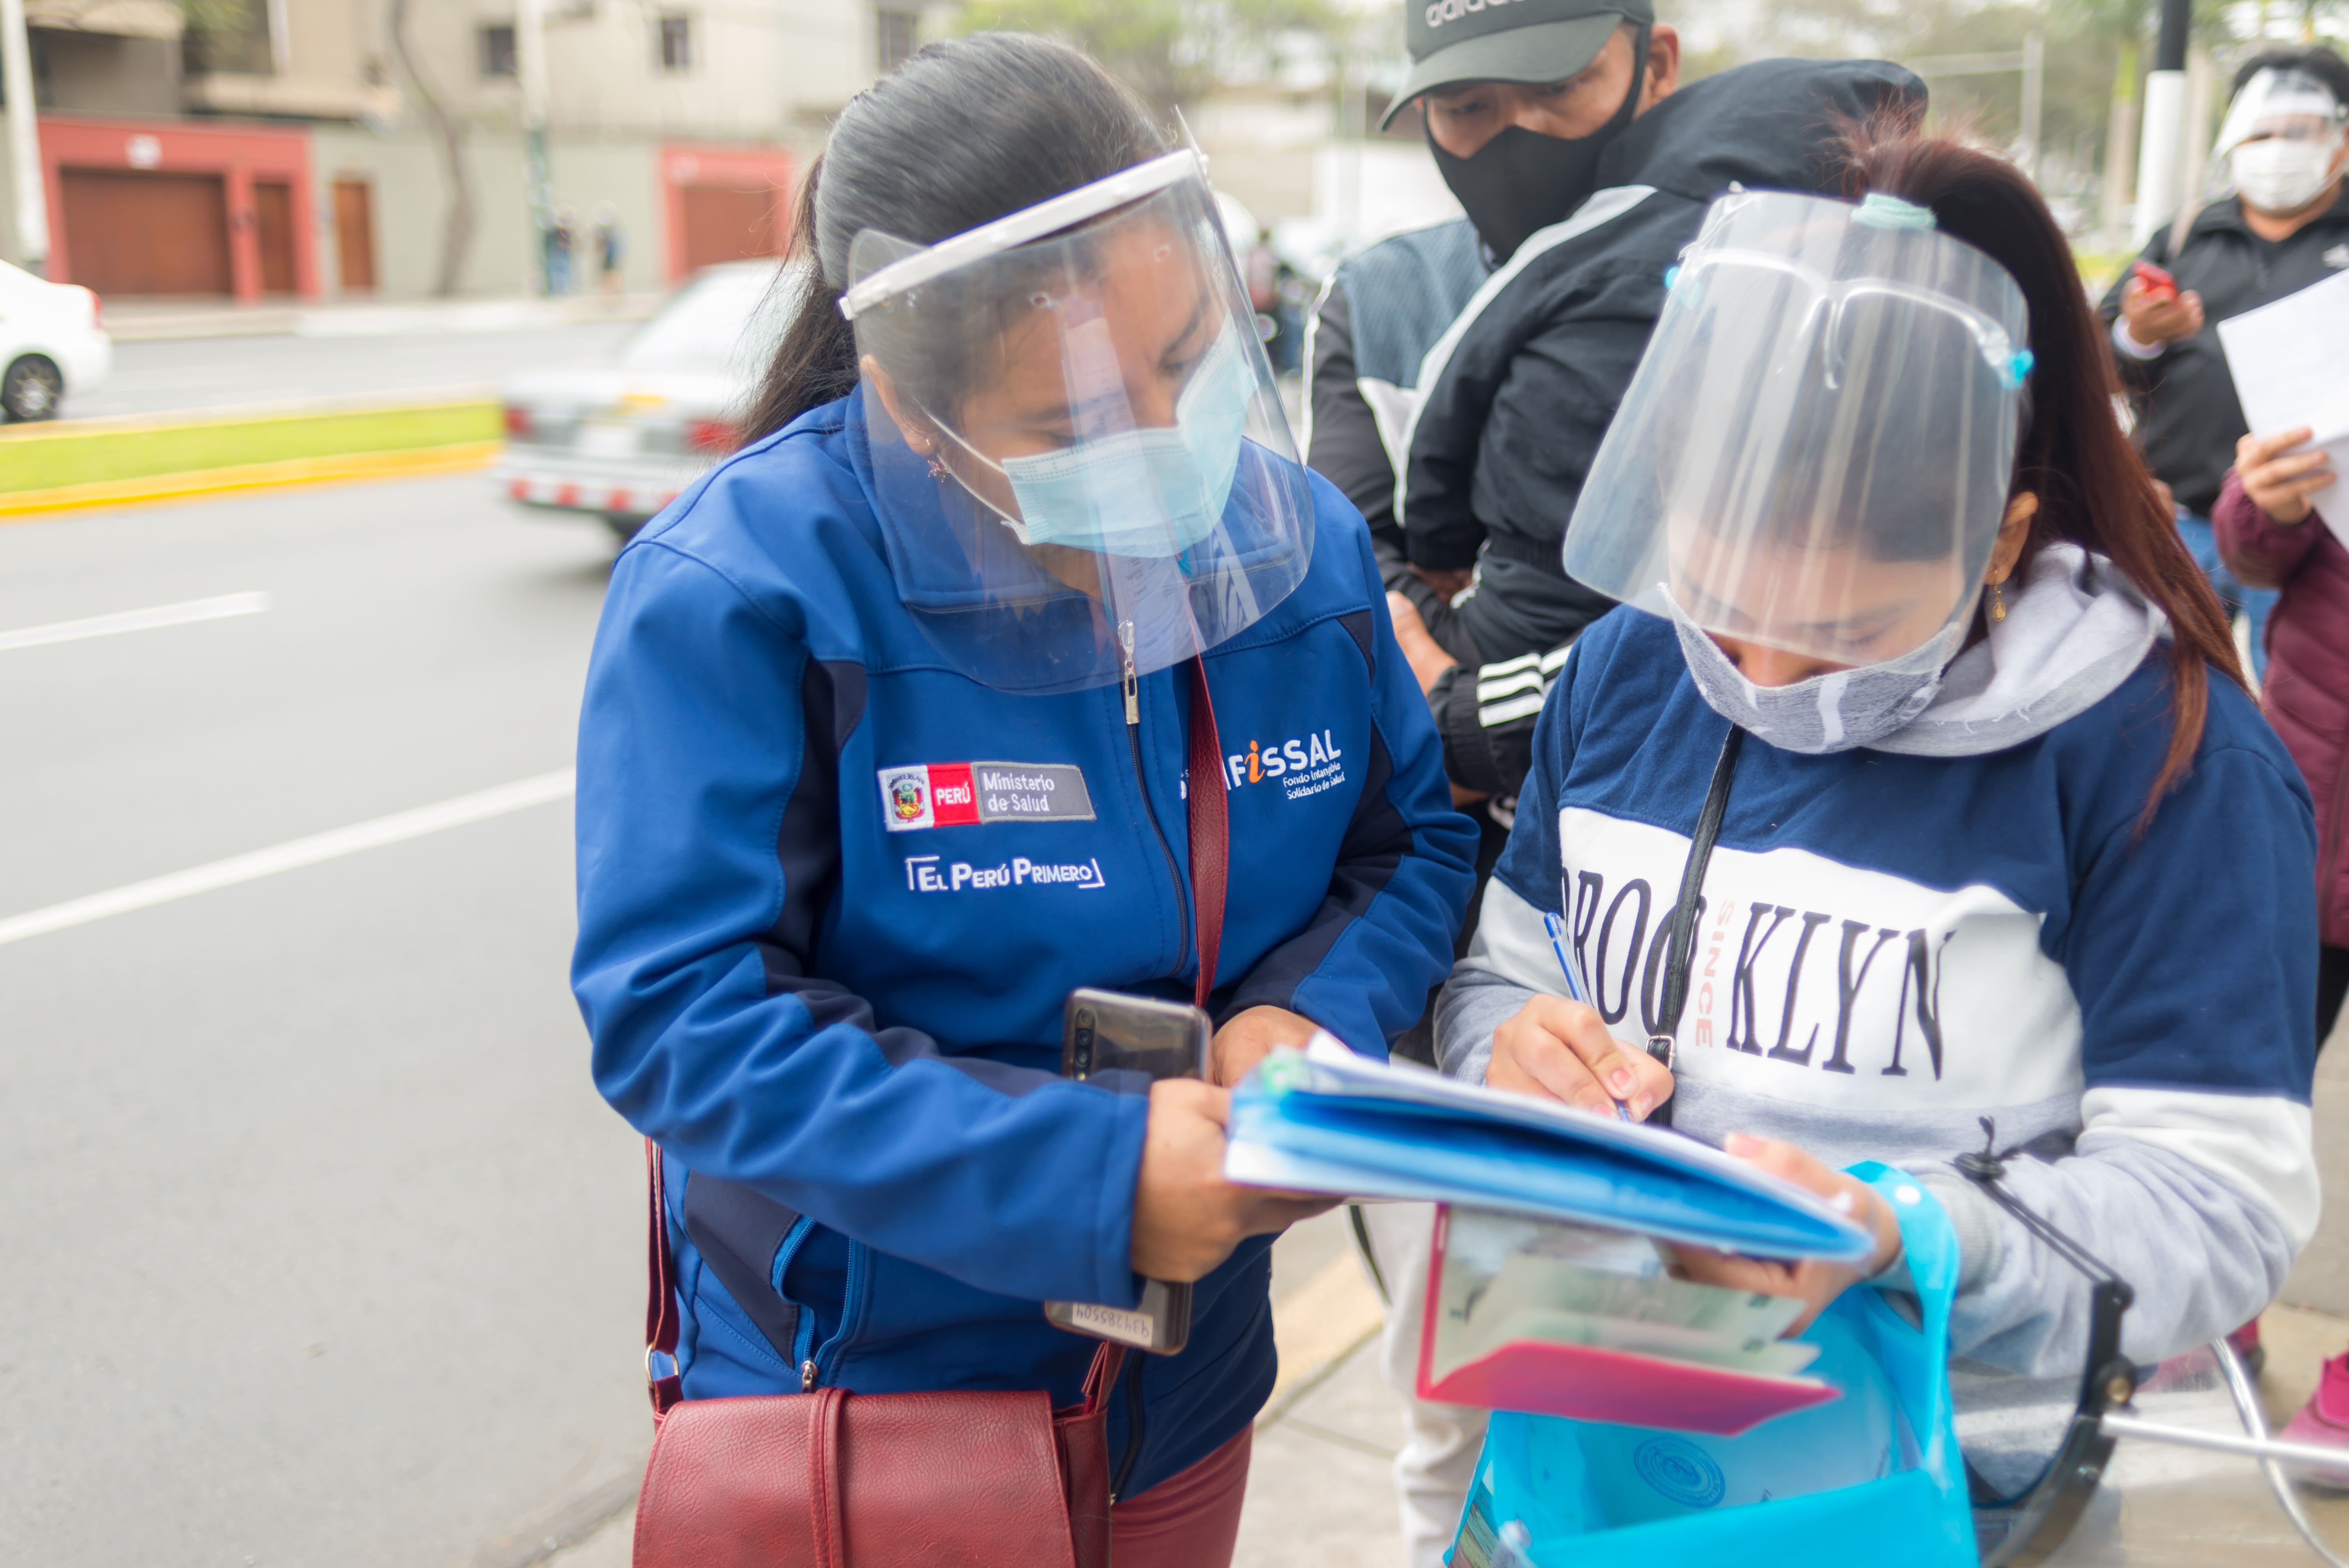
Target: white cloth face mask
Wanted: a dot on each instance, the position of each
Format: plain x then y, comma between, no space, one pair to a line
2279,175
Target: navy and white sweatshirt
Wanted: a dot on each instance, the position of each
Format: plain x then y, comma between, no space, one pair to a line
1892,947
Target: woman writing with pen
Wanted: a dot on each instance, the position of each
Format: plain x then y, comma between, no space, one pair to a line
1906,624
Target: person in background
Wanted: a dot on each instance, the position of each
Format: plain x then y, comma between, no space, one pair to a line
611,248
2006,845
2285,226
562,233
1529,314
1035,502
2271,536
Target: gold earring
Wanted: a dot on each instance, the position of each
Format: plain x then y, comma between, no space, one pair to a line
1997,604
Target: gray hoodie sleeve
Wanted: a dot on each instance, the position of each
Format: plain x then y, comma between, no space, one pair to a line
2204,1254
1509,963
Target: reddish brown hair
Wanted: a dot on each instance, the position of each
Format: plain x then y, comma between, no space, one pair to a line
2092,487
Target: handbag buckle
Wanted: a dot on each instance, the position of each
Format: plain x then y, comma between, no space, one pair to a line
653,1378
1660,1047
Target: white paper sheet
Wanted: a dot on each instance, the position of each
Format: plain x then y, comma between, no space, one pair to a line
2288,360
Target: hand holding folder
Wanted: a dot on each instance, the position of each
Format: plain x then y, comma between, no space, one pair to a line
1559,1302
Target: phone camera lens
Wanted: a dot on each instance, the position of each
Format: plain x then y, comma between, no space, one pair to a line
1083,1050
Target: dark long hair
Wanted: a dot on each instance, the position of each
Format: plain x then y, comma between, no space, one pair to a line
2094,489
964,132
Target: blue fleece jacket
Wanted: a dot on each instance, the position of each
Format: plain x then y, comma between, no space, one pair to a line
825,974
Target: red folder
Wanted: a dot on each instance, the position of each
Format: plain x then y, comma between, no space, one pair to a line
1590,1383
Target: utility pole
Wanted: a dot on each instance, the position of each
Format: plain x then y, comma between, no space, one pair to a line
529,67
24,140
2157,193
2034,94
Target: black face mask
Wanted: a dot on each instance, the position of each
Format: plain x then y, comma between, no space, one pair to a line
1521,181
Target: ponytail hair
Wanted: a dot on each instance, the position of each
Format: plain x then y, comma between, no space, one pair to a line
815,361
964,132
2094,489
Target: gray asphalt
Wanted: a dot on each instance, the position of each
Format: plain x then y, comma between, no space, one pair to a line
320,1248
232,372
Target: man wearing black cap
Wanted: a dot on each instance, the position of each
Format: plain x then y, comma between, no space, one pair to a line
1461,378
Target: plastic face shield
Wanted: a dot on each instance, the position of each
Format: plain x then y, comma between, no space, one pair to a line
1814,452
2287,105
1080,463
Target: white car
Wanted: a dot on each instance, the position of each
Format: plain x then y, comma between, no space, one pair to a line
619,443
52,343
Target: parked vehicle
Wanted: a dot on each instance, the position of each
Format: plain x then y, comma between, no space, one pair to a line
619,443
53,342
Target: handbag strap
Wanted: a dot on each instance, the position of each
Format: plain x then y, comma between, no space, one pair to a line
826,1514
1210,834
1680,952
1210,826
661,1299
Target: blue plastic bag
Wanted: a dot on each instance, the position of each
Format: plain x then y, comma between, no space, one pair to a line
1874,1477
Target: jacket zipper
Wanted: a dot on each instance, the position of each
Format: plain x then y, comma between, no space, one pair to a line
852,1311
1133,744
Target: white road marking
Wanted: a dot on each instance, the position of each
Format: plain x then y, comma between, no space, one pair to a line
293,855
180,615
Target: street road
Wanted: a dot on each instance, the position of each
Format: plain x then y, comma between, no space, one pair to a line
236,372
320,1248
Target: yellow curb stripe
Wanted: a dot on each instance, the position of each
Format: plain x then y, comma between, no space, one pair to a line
413,460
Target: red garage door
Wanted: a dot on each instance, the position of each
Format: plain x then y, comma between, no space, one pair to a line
134,232
727,225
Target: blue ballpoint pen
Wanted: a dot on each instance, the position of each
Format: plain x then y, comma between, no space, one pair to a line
1558,944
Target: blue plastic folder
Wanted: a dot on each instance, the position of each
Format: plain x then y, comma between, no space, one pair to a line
1326,1121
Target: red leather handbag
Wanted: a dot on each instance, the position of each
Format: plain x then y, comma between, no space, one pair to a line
962,1480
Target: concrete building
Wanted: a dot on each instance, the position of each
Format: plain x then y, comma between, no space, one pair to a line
250,147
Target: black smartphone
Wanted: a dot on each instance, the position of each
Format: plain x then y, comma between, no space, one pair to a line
1110,1031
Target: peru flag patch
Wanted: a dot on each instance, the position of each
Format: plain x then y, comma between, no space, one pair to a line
965,794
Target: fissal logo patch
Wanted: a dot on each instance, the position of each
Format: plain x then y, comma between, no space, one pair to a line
1305,766
962,794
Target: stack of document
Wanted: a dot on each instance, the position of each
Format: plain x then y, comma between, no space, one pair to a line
1548,1293
2285,358
1531,1315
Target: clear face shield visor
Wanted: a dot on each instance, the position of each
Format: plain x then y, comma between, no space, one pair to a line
1079,462
1816,450
2281,106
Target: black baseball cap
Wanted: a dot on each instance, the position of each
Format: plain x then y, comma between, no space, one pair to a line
1456,41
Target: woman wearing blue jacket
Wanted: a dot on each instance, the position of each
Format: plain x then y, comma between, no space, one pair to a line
885,750
2003,846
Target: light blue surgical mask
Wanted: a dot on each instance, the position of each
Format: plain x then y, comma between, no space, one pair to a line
1149,493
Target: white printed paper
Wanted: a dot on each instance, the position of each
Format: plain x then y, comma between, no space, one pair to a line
2286,359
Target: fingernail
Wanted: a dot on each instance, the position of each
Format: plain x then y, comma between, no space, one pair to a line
1842,1202
1741,1143
1621,1082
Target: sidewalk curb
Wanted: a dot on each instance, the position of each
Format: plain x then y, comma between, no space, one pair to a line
1316,1327
413,461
